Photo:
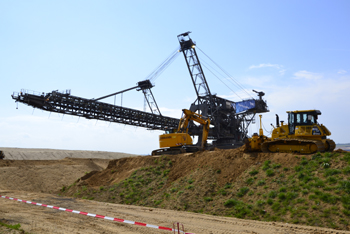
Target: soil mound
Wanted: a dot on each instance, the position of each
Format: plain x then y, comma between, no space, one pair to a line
47,176
307,189
228,164
52,154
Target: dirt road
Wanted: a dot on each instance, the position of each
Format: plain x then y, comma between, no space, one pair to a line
35,219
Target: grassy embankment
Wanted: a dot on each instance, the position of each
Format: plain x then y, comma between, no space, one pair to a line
315,192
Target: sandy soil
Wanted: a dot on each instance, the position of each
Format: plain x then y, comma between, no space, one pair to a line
36,219
40,181
52,154
47,176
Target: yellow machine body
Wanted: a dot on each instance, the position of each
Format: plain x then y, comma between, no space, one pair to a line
174,140
303,134
254,143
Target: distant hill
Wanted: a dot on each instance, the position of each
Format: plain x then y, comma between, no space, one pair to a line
345,146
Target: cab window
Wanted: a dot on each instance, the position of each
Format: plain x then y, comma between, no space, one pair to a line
311,119
304,118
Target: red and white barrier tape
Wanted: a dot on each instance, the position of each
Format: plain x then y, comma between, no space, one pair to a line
98,216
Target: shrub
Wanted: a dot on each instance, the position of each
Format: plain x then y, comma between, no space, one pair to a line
180,192
319,183
346,212
222,192
266,165
345,185
253,172
328,198
298,168
231,202
345,199
166,172
272,194
269,201
276,206
282,196
227,186
208,199
304,161
242,191
156,203
270,172
274,166
283,189
346,170
260,203
330,172
261,182
291,195
332,180
249,181
305,191
347,157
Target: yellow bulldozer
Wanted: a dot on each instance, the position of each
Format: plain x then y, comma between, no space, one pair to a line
303,134
179,141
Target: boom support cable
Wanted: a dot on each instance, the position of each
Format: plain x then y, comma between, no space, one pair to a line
221,81
159,70
228,75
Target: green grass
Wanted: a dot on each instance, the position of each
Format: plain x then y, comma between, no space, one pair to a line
14,227
314,191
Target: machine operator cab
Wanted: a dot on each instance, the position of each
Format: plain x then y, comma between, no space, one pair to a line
305,123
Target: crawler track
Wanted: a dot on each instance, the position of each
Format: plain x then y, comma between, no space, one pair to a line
293,145
331,145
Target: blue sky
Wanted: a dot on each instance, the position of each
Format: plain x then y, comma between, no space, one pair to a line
297,52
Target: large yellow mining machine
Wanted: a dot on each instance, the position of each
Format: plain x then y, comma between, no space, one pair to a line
303,134
179,141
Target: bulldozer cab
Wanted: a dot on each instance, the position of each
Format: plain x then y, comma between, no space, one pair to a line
301,118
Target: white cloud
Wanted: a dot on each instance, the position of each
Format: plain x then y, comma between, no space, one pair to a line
280,69
307,75
262,65
175,113
342,72
329,96
282,72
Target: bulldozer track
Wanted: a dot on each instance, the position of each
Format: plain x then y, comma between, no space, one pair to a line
331,145
319,144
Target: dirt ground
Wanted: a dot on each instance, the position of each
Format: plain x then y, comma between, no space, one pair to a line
36,219
39,181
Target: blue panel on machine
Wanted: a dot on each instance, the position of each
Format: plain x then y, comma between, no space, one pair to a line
244,105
